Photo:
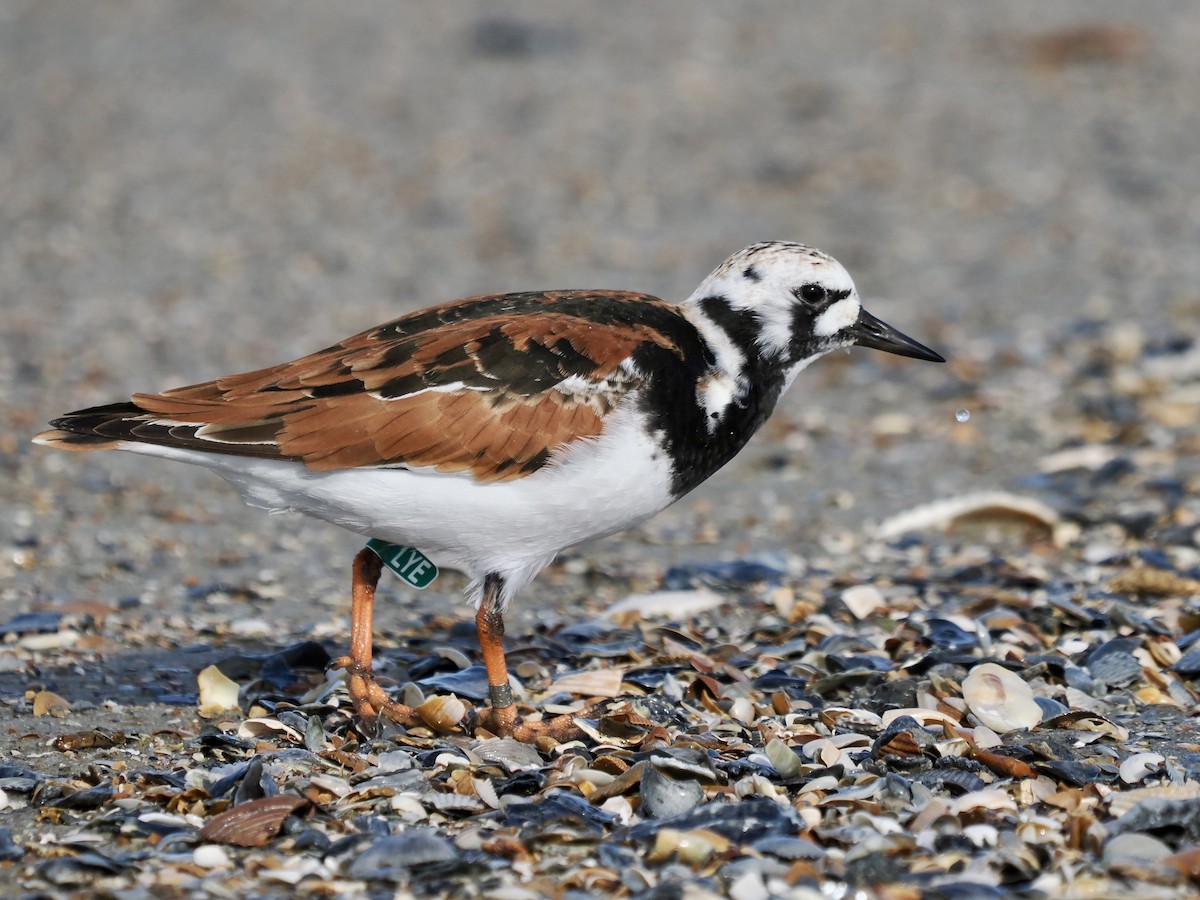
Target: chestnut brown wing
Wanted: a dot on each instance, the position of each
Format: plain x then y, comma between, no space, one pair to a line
489,386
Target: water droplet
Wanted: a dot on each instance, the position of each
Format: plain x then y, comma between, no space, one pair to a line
963,415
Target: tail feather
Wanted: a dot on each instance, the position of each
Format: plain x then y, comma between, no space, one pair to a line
69,440
117,425
96,428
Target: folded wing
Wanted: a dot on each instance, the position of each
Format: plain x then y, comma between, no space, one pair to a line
490,386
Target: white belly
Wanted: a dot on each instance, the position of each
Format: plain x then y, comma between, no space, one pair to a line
513,528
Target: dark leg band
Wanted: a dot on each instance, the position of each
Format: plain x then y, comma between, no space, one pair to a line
501,695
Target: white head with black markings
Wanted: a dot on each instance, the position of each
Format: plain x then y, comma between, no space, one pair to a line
788,304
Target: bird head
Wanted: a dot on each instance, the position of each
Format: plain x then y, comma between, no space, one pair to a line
793,303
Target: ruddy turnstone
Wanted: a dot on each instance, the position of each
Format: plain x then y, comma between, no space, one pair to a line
493,432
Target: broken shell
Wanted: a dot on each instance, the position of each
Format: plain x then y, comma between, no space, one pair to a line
924,717
1113,662
442,713
742,710
664,796
665,604
598,683
785,760
691,847
1000,699
48,703
1141,766
1123,801
991,799
862,600
218,693
1165,652
997,508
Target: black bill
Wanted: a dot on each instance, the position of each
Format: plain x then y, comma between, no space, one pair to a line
871,332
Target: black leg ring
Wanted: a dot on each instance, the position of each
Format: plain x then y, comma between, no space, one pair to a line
501,695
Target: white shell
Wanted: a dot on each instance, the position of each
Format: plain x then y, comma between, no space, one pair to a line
1000,699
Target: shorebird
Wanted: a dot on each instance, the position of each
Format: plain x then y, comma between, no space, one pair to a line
489,434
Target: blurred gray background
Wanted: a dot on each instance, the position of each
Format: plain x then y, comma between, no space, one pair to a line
191,189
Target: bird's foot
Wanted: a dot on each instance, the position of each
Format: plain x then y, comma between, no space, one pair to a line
371,701
505,722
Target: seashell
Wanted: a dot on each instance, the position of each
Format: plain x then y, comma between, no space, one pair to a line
1086,456
471,683
1084,720
48,703
1040,830
991,799
962,781
789,848
985,739
784,759
1189,663
268,727
982,835
251,824
595,683
442,713
315,737
852,719
1072,772
1051,708
745,821
903,739
692,847
409,807
1000,699
990,508
677,605
1186,862
1134,849
1165,652
823,752
485,790
947,635
686,760
396,853
1140,766
822,783
850,740
1113,662
756,785
663,796
211,856
511,755
862,600
924,717
742,710
1123,801
338,787
1149,581
953,748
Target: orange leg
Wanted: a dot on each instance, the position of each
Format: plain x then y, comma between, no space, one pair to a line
369,699
489,621
502,717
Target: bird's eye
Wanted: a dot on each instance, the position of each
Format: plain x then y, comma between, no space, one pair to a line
811,293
